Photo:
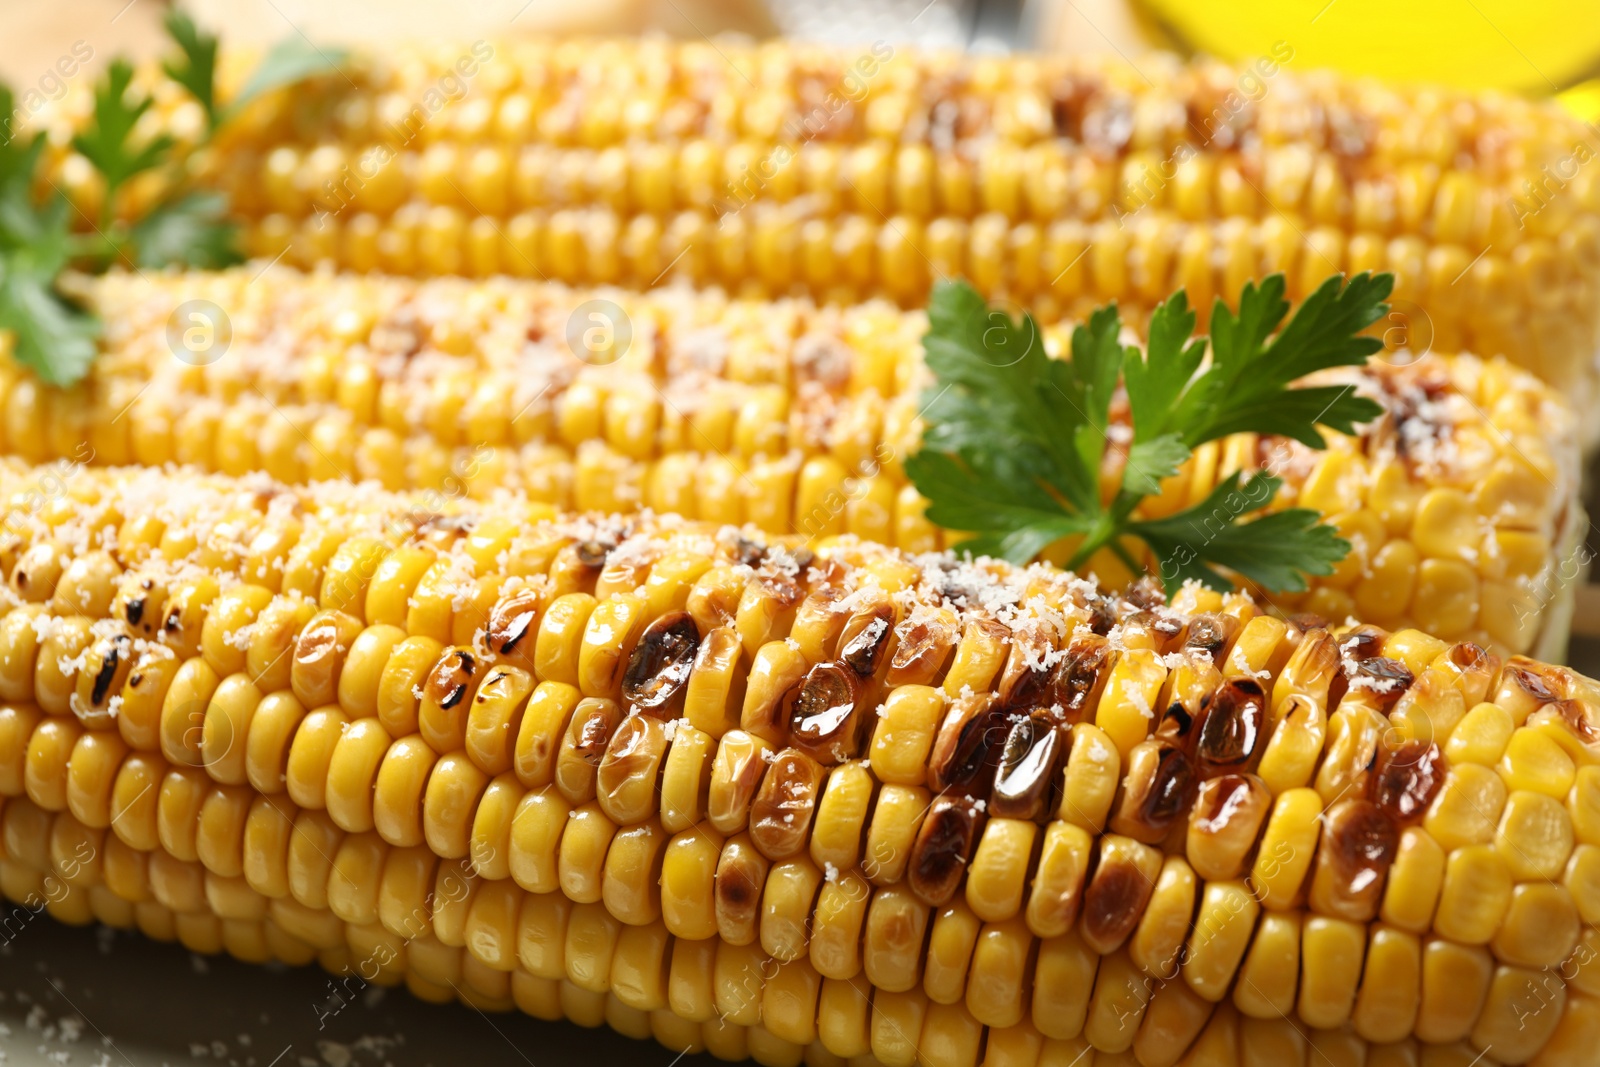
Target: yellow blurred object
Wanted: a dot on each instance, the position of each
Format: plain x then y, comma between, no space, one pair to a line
1501,44
1583,100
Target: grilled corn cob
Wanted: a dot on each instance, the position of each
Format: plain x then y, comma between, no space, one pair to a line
53,865
782,414
893,805
1061,182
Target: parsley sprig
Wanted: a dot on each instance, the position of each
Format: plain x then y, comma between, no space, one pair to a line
1015,442
41,238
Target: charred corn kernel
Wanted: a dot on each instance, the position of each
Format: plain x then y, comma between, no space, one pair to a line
1385,490
1225,823
741,876
988,208
1117,892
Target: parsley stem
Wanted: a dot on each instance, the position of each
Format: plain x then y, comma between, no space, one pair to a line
1107,533
108,213
1105,528
109,243
1134,566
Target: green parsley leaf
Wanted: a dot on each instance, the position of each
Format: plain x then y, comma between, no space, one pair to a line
998,394
1275,551
1018,525
1247,385
10,142
20,220
1015,442
197,68
52,334
1155,383
1151,461
1088,383
293,60
44,252
193,231
106,141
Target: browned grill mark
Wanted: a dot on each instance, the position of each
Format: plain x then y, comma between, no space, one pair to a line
1113,903
657,674
1232,734
1081,675
451,678
592,730
864,650
780,814
1406,781
1211,633
822,713
1158,790
511,620
593,553
967,747
943,847
1027,769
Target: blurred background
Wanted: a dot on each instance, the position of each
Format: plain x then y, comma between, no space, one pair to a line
91,997
1542,48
